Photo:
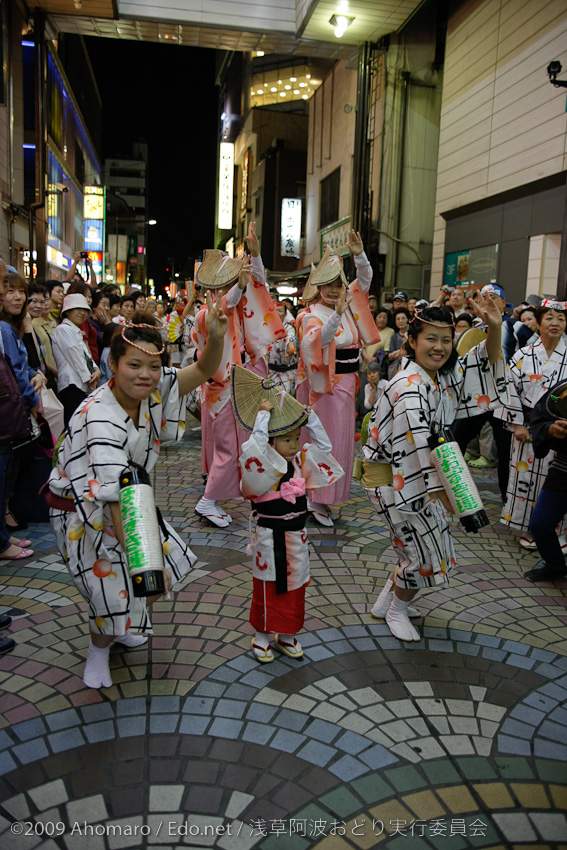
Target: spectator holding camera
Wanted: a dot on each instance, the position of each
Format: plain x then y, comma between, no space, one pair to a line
74,274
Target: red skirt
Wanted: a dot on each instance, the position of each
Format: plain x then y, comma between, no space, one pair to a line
271,612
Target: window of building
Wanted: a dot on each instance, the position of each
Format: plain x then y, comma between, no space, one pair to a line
330,191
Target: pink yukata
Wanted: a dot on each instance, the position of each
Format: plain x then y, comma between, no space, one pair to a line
330,350
254,323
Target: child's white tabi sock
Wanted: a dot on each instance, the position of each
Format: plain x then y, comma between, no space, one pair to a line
398,621
97,671
261,647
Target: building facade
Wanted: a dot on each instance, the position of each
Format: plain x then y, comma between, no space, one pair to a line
48,152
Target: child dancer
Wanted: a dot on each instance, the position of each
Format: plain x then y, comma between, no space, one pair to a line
275,474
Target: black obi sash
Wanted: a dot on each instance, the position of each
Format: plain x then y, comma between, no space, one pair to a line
270,515
346,360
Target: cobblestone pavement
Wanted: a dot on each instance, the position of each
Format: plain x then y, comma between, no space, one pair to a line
457,741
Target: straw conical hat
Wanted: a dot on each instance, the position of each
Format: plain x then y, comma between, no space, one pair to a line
468,339
218,269
309,290
247,391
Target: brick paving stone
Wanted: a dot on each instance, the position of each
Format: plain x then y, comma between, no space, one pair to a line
516,828
348,768
462,696
287,741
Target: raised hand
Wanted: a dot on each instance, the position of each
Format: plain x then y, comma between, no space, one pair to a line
217,322
355,243
252,240
343,303
244,274
485,307
266,405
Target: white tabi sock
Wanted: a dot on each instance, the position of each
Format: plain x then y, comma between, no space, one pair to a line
209,509
97,671
398,621
382,604
131,640
261,647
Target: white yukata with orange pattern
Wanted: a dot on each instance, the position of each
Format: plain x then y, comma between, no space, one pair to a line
530,374
412,409
101,442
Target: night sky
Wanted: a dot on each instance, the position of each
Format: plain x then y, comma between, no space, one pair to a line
166,95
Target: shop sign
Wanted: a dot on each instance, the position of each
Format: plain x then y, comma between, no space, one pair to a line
94,214
56,258
244,184
336,237
96,259
291,227
226,184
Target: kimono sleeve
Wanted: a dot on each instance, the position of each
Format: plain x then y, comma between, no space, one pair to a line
513,412
319,360
199,330
261,468
97,454
172,426
414,475
318,468
398,433
481,385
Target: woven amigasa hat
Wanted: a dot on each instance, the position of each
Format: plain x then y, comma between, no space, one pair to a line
218,269
247,391
330,267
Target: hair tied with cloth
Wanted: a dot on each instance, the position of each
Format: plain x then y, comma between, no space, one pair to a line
554,304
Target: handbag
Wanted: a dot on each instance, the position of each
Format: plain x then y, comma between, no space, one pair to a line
52,411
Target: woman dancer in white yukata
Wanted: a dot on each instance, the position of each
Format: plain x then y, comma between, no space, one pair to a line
119,424
531,372
428,393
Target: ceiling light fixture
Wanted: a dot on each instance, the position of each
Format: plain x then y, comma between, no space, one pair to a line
341,23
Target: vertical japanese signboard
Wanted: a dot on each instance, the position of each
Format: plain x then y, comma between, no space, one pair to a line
226,184
291,227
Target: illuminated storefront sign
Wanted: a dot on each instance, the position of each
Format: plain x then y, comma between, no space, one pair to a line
291,227
56,258
94,213
96,259
226,181
93,234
